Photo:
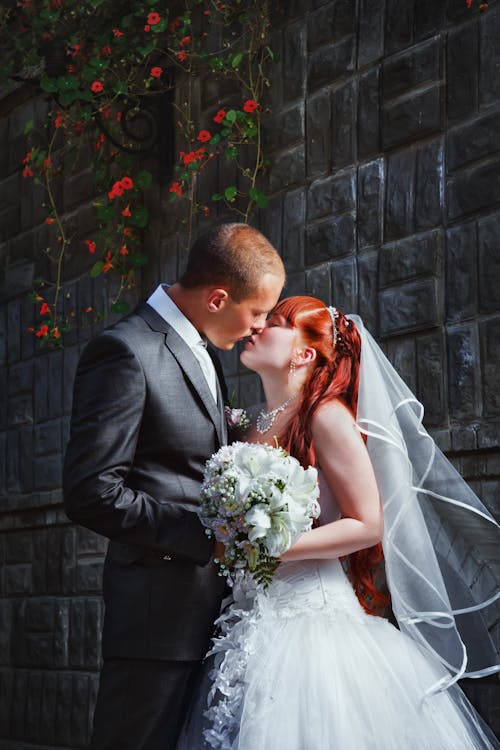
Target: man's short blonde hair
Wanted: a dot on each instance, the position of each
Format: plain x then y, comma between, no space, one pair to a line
236,256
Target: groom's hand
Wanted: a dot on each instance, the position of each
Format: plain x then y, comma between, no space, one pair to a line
219,551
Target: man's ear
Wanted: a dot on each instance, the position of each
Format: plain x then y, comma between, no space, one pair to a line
216,299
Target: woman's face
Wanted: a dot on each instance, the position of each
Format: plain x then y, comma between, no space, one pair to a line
273,348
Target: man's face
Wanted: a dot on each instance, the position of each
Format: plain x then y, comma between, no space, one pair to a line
236,320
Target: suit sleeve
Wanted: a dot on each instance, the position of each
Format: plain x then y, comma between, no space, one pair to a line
108,401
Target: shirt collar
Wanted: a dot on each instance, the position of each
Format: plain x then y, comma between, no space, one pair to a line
166,307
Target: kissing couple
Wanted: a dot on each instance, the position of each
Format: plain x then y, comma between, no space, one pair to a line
310,662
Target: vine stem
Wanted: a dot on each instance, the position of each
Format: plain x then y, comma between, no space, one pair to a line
62,232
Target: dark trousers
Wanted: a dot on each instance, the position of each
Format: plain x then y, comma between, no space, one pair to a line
141,704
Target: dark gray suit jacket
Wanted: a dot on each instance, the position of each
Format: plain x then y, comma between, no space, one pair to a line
144,422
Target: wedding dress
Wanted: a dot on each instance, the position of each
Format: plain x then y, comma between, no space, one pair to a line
301,666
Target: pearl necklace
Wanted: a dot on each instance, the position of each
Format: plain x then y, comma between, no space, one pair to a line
265,420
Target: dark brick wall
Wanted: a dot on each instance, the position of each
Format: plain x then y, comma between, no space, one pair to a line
385,199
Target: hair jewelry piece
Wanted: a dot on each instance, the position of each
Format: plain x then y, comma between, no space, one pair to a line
265,420
334,314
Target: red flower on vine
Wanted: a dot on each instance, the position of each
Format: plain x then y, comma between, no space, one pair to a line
107,263
175,24
154,18
42,331
219,117
28,172
126,211
117,33
97,87
147,28
91,246
127,183
56,333
185,40
176,188
106,50
203,136
28,155
59,120
76,50
49,220
123,250
156,71
44,309
250,106
181,56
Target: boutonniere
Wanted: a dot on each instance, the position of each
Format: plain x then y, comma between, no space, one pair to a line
236,418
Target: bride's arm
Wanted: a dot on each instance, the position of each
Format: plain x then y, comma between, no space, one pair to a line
344,461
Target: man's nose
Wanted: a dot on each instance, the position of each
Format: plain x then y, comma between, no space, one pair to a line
259,324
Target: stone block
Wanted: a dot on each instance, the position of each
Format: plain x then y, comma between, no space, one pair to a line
490,340
47,472
33,706
319,140
14,331
20,410
94,613
18,547
411,69
271,222
464,438
18,714
489,263
6,688
430,16
463,372
489,56
490,495
327,64
401,353
370,31
330,23
68,569
429,185
344,107
55,379
412,117
41,388
89,575
462,64
461,272
295,61
12,463
345,284
332,195
61,634
39,651
284,128
20,378
89,543
488,435
294,216
18,280
40,615
410,307
295,284
48,699
431,385
399,194
370,203
367,290
47,438
63,709
287,168
76,636
474,188
473,140
368,120
420,255
318,283
399,25
26,459
331,238
80,710
17,579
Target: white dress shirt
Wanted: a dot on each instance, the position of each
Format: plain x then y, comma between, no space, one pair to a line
166,307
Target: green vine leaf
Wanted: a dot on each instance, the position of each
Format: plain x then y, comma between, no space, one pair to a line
259,197
230,117
139,217
105,212
143,179
96,269
48,85
230,193
121,307
236,60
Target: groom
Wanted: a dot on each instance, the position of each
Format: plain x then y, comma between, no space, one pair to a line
148,410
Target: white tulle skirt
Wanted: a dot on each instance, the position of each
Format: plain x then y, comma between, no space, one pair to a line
301,666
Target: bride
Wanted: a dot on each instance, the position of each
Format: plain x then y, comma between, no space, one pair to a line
307,664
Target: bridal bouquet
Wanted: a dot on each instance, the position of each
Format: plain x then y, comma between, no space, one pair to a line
257,500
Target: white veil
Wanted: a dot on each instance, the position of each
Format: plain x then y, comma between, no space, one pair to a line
441,545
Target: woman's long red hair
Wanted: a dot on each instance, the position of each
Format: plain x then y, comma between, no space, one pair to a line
336,376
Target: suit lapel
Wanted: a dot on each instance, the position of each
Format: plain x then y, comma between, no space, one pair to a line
190,366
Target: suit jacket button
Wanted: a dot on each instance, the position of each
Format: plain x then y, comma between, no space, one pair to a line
167,557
